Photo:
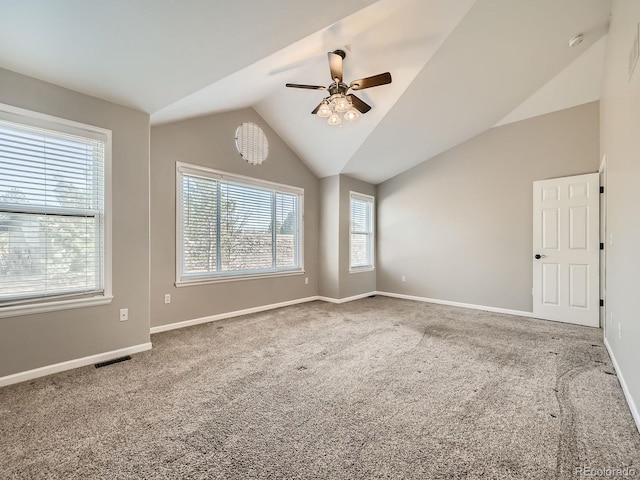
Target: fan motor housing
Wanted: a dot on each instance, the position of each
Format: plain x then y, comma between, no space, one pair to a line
342,53
338,88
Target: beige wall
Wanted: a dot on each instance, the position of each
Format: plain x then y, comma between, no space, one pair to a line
336,282
329,261
32,341
459,226
352,283
209,141
620,142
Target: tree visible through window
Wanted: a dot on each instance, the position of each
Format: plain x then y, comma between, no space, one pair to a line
230,226
52,211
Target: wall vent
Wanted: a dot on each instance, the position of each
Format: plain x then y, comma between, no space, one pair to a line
111,362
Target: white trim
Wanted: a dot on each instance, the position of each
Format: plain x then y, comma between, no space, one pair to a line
108,217
206,172
263,308
362,197
71,364
346,299
368,268
237,313
235,278
602,233
603,164
62,125
182,280
519,313
45,307
625,389
44,120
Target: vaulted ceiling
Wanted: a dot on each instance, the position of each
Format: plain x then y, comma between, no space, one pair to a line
459,67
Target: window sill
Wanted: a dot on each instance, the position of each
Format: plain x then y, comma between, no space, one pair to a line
52,306
235,278
361,269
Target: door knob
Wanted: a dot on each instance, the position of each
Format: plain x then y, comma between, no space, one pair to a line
538,256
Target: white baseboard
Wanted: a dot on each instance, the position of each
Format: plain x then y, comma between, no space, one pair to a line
519,313
237,313
71,364
346,299
627,394
263,308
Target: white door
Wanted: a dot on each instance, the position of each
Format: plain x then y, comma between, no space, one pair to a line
566,249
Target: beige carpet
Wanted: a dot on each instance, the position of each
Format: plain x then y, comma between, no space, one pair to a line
377,388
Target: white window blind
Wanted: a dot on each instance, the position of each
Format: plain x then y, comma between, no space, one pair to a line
361,236
233,226
52,213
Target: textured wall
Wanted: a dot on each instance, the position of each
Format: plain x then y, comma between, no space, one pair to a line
459,226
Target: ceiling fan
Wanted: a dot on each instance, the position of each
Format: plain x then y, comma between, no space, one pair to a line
338,100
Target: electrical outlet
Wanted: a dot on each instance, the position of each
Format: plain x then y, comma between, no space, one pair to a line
306,281
404,279
167,298
124,314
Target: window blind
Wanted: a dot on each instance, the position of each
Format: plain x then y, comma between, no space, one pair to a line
51,213
231,226
361,231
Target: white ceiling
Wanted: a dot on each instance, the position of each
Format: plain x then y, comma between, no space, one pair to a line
458,67
578,83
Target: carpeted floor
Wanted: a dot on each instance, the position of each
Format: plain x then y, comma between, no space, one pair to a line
377,388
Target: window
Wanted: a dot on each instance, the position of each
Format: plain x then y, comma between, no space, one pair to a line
53,220
231,226
361,233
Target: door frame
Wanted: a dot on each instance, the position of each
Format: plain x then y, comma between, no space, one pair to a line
603,240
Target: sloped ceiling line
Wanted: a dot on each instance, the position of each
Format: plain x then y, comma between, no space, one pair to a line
459,68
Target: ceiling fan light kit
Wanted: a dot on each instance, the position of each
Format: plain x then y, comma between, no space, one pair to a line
338,100
334,119
351,115
340,103
324,111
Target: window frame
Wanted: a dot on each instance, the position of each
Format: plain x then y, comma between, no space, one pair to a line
182,280
45,304
371,234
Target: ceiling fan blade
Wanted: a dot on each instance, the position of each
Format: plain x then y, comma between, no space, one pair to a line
376,80
315,110
357,104
335,64
308,87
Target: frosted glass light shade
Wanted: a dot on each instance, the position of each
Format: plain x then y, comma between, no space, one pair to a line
324,111
334,119
351,115
342,104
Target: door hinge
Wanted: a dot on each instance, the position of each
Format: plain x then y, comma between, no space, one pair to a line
601,189
602,246
601,303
